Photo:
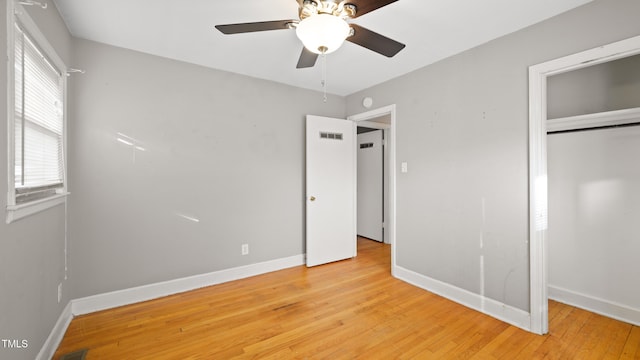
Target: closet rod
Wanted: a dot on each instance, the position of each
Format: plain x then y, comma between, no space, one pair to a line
593,128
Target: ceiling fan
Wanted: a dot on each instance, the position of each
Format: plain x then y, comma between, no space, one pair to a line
322,27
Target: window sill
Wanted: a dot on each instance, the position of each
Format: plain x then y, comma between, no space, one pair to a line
16,212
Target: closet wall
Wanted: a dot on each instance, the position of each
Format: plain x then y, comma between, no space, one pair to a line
614,85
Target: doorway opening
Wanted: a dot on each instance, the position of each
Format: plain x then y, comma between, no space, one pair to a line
383,119
593,144
538,180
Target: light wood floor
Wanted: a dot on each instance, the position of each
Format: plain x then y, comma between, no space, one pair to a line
351,309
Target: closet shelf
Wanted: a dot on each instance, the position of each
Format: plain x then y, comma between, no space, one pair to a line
602,119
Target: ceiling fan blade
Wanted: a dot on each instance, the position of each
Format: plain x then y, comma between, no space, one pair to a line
307,59
367,6
255,26
374,41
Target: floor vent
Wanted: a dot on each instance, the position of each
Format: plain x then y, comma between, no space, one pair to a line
76,355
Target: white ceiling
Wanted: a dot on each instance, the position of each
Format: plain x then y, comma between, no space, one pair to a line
184,30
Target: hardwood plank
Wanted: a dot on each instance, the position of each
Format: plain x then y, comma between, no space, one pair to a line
351,309
632,347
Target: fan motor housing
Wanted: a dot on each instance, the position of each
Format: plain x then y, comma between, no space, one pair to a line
337,8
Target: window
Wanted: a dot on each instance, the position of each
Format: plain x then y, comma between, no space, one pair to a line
36,120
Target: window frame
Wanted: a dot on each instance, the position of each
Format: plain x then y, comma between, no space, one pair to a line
16,14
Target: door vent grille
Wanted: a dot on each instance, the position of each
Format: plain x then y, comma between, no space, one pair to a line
330,136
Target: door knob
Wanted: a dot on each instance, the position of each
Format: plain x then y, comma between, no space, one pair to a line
313,198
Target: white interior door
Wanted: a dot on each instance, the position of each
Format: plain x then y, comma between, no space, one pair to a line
370,185
331,196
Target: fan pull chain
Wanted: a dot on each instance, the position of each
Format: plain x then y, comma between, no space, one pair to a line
324,77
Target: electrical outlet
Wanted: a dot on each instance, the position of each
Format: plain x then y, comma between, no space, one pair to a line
245,249
59,292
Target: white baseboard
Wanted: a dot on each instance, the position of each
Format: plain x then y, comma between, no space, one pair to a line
599,306
153,291
55,337
496,309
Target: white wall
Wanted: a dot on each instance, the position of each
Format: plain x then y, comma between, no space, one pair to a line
594,208
462,127
222,148
31,249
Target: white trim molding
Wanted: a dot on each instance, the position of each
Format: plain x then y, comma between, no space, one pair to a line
16,212
55,337
597,305
134,295
496,309
538,164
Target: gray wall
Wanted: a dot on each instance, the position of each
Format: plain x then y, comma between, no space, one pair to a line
32,249
614,85
462,209
223,148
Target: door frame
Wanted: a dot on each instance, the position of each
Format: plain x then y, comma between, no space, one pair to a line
538,197
390,111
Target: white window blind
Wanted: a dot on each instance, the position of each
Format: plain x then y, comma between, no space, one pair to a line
38,122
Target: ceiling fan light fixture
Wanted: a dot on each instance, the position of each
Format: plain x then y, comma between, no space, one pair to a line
322,33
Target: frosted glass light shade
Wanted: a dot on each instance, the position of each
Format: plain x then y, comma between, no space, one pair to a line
322,33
